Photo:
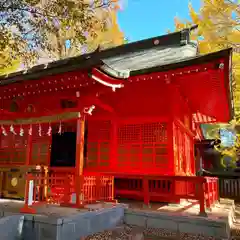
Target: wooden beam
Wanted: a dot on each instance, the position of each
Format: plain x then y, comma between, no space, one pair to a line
80,146
101,104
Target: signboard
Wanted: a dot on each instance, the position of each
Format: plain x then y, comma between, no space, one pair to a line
30,193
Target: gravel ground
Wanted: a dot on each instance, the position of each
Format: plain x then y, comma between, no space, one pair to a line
126,232
123,232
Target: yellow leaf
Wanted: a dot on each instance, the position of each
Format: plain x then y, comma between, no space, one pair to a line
14,66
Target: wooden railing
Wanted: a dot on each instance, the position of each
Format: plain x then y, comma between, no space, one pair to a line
229,184
230,188
168,189
62,189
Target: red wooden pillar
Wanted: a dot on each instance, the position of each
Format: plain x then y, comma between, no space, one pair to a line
79,159
193,162
29,150
184,157
171,163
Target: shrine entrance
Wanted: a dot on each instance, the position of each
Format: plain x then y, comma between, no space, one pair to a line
63,145
63,151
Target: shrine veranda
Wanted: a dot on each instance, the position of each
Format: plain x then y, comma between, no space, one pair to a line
127,112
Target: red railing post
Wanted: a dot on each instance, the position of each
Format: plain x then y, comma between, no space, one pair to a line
211,192
27,206
79,191
99,193
111,189
217,189
146,196
201,190
207,193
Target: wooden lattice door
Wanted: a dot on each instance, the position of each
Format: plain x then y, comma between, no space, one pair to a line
98,144
40,148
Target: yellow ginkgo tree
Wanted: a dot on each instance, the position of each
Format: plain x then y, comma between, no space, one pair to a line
5,66
51,30
218,28
64,41
111,37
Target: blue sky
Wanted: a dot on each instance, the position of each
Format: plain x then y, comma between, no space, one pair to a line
141,19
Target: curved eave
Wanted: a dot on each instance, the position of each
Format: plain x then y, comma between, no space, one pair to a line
122,66
105,79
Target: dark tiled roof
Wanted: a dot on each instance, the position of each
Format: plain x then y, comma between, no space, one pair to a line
186,62
152,48
123,65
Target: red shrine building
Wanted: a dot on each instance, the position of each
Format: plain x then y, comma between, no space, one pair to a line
130,110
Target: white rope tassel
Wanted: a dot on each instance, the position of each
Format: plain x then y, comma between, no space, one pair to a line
4,131
21,132
40,130
30,130
12,130
49,133
60,129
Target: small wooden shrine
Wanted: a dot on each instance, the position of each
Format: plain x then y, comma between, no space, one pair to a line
130,110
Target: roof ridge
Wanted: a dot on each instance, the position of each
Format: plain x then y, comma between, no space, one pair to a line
174,38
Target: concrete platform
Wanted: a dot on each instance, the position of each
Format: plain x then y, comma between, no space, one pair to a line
58,223
111,222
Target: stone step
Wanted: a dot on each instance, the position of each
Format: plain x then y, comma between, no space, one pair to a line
11,227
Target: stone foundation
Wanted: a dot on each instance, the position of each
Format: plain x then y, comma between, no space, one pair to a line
122,223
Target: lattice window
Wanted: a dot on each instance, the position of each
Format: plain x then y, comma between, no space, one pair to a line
142,146
6,147
98,143
154,132
20,149
40,154
129,133
13,148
